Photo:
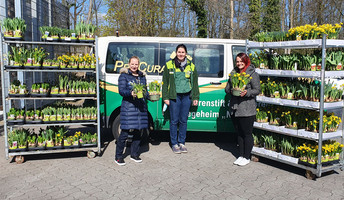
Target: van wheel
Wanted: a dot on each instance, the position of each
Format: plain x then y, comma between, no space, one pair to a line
115,128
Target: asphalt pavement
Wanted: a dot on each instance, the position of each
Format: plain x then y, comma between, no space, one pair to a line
205,172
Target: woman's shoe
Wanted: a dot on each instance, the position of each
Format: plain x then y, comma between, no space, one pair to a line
238,160
244,162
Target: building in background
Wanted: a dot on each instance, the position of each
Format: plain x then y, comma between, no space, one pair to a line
36,13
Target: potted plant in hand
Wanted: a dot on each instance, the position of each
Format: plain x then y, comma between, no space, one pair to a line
239,82
139,90
154,90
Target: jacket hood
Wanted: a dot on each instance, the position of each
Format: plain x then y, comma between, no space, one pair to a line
126,70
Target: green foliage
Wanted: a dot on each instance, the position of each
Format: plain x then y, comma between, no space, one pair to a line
255,16
202,21
271,15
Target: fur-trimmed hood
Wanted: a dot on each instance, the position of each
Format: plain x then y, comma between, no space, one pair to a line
126,70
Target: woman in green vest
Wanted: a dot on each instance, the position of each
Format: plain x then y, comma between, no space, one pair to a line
179,90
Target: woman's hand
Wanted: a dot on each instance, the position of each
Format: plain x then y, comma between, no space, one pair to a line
243,93
195,102
133,94
167,102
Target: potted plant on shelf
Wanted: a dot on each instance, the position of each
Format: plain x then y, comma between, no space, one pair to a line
75,139
94,62
44,89
11,116
59,115
22,139
154,90
38,57
18,57
22,90
54,91
81,62
81,31
73,114
19,27
13,140
63,85
59,136
64,61
53,114
29,116
66,114
90,30
7,27
31,141
73,62
14,88
67,141
35,89
46,114
40,142
49,138
20,116
44,32
38,117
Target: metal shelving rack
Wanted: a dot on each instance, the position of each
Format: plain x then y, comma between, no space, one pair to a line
318,43
92,149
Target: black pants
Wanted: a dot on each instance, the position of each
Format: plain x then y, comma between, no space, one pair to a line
244,127
135,145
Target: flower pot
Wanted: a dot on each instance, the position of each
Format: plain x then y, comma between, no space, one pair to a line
154,97
313,67
339,66
236,92
139,94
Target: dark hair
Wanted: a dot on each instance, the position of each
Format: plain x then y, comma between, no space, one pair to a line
181,46
245,59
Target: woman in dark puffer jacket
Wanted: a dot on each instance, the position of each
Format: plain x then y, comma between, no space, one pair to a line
134,116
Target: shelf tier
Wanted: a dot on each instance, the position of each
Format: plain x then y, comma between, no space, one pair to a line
298,73
313,170
330,43
49,43
77,149
299,103
300,133
54,124
50,70
50,98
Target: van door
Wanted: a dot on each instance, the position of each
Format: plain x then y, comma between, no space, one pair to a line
210,114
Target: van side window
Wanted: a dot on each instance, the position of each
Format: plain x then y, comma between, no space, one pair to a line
208,59
236,50
118,55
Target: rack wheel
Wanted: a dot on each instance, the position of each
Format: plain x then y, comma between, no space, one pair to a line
255,158
91,154
19,159
309,175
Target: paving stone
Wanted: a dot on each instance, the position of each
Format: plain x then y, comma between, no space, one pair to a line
206,172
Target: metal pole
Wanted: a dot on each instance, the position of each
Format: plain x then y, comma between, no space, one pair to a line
3,94
323,56
98,96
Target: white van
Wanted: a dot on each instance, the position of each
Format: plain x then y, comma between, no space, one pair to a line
213,58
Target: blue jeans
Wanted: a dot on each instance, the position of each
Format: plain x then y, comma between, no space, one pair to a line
179,111
135,145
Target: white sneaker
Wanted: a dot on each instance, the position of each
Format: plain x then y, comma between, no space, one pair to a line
244,162
238,160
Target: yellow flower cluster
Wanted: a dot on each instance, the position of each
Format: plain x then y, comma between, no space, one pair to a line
154,87
314,31
240,80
